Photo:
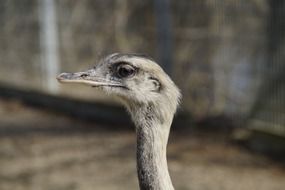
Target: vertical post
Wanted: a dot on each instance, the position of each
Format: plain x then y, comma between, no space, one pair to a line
49,44
164,37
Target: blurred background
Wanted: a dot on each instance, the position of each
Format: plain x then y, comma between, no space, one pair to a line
227,57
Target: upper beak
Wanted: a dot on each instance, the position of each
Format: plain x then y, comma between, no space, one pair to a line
86,78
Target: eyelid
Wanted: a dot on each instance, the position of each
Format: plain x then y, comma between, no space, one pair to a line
122,63
126,66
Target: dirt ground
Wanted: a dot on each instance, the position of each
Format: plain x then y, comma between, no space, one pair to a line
40,150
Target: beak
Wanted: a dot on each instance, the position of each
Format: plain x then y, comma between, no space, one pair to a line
86,78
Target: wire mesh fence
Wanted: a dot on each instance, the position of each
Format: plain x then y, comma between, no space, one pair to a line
226,56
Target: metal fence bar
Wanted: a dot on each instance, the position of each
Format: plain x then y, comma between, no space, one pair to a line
164,36
49,43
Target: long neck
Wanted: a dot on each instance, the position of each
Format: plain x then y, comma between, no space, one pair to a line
152,137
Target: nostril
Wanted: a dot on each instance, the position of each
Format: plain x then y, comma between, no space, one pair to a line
83,75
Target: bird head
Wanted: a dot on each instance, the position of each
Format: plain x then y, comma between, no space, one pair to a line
135,79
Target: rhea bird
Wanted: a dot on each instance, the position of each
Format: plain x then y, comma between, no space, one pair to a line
150,97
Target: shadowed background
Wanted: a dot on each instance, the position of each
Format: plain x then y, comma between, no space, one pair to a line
227,57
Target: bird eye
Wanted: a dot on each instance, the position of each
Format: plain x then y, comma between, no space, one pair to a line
125,71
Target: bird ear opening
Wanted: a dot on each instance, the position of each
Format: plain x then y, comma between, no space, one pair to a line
156,84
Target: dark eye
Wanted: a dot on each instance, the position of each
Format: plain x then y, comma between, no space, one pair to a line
125,71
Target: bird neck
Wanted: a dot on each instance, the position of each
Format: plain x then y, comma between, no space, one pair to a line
152,137
151,160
